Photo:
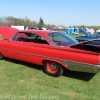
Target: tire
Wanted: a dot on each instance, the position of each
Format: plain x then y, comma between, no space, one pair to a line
53,68
1,56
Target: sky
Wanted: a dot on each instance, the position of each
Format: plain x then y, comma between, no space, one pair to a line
57,12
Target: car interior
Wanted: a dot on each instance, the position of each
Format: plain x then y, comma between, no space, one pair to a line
29,37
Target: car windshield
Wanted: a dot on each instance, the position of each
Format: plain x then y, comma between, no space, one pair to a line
90,34
62,39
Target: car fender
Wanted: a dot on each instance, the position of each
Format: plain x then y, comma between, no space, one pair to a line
58,61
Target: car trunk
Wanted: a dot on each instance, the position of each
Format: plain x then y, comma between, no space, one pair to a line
93,46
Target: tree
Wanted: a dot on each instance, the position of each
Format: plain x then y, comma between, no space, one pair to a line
41,23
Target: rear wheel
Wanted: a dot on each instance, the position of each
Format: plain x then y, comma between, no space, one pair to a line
53,68
1,56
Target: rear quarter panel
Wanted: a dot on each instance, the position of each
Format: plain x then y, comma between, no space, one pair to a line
38,52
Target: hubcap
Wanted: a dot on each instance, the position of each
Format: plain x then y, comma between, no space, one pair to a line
53,66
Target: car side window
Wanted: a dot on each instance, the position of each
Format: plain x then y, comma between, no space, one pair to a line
30,37
40,40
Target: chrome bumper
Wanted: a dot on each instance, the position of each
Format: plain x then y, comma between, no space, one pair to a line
82,67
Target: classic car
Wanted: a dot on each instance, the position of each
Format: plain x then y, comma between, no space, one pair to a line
87,36
55,51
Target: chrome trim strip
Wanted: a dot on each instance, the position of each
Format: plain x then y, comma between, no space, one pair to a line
72,65
82,67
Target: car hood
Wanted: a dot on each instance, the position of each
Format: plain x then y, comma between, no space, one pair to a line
85,37
7,32
85,42
84,31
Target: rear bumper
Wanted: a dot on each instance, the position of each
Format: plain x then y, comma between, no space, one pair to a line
82,67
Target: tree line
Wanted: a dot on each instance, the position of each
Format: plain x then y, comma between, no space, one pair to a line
10,20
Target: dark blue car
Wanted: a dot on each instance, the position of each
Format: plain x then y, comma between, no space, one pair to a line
87,36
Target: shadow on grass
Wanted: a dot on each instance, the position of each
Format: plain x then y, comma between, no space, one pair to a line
72,74
24,63
79,75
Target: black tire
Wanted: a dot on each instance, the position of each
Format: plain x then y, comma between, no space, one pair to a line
1,56
53,68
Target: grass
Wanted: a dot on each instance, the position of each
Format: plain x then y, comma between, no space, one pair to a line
20,80
25,81
74,36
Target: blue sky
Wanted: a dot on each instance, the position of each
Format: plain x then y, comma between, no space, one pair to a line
57,12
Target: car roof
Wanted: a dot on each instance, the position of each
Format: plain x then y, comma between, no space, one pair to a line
39,32
8,32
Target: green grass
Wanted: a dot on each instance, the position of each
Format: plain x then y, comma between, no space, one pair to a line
25,81
74,36
1,38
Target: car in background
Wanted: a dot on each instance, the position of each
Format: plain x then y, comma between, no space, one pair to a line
87,36
53,50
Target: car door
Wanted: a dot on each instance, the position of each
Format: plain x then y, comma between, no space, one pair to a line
37,49
15,48
18,50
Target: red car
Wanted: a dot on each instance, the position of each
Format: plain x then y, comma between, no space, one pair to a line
55,51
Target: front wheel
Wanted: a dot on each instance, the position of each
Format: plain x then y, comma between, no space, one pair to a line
53,68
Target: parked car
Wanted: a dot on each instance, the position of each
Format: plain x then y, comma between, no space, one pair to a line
87,36
53,50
